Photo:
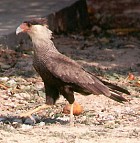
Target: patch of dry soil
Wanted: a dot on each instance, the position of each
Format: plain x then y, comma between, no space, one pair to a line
102,121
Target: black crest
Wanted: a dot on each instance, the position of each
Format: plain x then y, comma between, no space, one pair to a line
37,21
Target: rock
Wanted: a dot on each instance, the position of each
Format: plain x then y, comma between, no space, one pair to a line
9,127
22,102
4,79
24,95
17,95
4,66
2,119
110,125
12,82
42,124
39,85
17,120
83,118
26,127
110,117
29,121
27,87
65,119
128,109
32,121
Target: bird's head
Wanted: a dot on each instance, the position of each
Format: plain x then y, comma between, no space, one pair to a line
35,28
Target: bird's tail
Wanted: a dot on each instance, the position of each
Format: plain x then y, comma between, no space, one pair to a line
115,87
117,97
113,91
116,92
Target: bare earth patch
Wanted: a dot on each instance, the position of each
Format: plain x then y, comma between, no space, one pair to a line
102,120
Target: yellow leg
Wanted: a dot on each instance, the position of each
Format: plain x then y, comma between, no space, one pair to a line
71,115
29,113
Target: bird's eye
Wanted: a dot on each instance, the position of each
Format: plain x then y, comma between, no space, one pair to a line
29,24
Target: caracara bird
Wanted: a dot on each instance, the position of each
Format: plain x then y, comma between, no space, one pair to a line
60,74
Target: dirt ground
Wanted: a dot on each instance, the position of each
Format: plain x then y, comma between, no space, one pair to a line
114,58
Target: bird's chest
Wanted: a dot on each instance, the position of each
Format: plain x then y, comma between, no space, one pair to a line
40,64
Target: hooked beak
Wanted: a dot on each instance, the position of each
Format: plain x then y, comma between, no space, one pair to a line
22,28
19,30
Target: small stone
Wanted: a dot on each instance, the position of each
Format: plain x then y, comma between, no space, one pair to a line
5,66
16,125
17,95
20,86
4,79
63,118
39,85
42,124
22,102
2,119
12,82
110,125
17,120
10,127
26,127
110,117
28,87
83,118
32,121
29,121
24,95
128,109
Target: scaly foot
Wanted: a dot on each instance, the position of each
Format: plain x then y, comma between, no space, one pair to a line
29,113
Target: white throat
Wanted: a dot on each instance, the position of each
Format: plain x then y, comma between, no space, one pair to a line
39,32
41,38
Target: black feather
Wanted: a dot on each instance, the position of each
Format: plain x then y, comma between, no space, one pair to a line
111,86
115,87
36,21
118,98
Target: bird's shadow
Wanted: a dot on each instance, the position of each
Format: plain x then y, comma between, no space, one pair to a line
15,120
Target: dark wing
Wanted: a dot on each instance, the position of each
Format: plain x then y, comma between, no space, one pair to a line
69,71
112,86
